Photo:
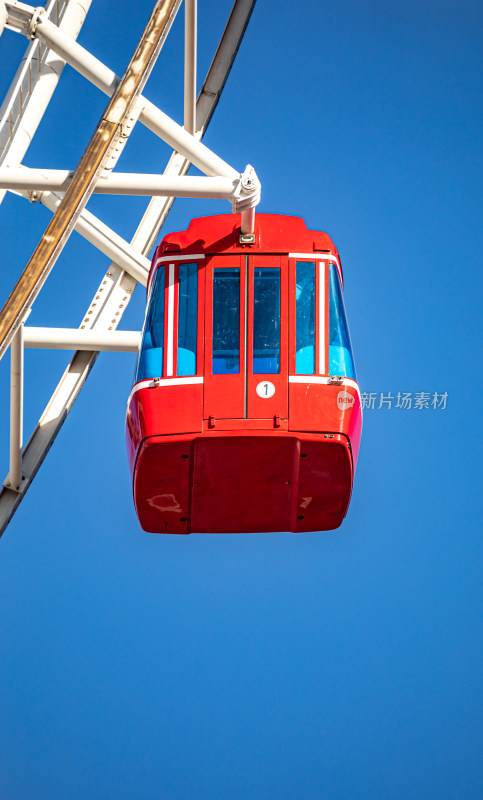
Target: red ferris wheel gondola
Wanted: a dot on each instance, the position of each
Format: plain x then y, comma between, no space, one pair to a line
245,414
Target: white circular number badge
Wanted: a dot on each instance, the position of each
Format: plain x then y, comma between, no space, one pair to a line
265,389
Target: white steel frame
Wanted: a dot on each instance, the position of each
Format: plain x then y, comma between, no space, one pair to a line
52,32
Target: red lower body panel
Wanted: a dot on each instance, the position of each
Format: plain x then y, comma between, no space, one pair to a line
235,482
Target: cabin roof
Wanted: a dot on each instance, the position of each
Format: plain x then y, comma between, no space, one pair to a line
274,233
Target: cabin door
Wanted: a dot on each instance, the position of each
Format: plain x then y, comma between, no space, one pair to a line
246,338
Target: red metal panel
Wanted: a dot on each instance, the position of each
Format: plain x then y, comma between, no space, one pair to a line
330,408
274,233
200,349
292,312
321,314
324,484
243,484
133,437
170,318
165,332
317,317
161,485
165,409
175,318
327,327
242,425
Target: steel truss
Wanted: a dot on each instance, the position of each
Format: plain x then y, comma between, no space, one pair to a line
53,31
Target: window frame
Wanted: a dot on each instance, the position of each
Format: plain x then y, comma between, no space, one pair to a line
171,263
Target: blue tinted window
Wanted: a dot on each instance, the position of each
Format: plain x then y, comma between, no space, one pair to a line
341,361
151,358
266,321
305,318
226,321
187,318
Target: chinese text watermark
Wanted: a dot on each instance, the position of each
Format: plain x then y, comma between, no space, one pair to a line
405,401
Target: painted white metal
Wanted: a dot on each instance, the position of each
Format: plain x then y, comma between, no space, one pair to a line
316,257
248,221
121,183
181,257
308,379
116,288
3,16
34,84
79,339
14,478
246,197
190,65
19,15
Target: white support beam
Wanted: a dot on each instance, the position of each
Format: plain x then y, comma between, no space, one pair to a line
121,183
14,478
190,23
78,339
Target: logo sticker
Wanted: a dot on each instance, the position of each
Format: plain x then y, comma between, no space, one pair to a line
265,389
345,400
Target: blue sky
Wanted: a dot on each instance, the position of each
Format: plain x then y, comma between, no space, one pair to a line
336,665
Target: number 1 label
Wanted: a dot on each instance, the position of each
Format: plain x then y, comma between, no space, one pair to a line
265,389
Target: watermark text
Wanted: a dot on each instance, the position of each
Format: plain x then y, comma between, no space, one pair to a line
405,401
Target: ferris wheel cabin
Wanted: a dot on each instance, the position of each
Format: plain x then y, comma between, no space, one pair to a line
245,414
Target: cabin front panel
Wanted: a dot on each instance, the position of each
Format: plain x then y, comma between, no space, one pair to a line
246,339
